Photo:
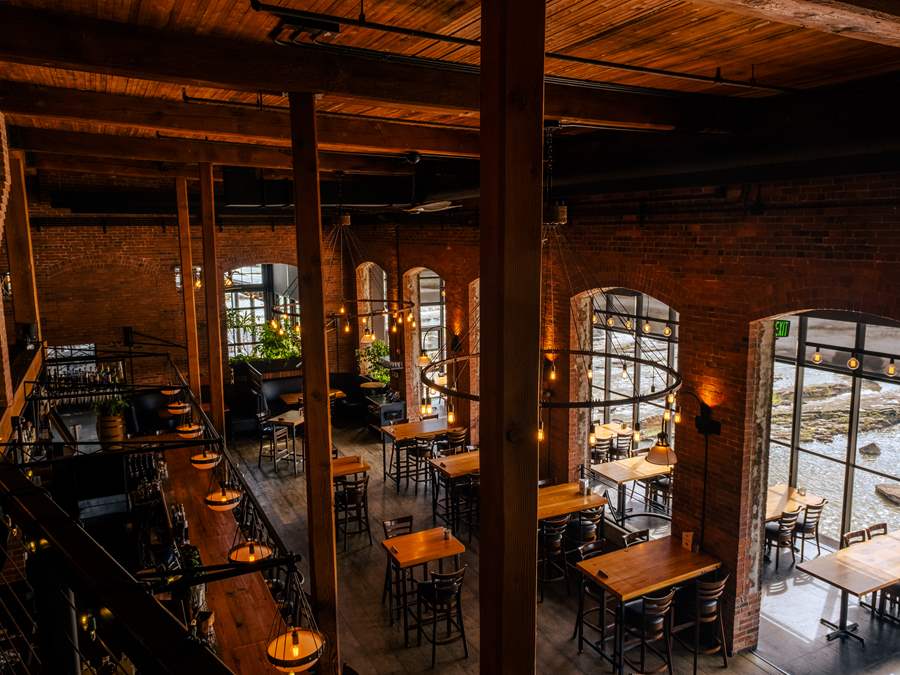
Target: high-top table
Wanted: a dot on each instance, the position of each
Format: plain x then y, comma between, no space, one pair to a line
408,551
348,466
611,430
294,398
290,419
782,498
406,430
859,569
635,571
558,500
623,471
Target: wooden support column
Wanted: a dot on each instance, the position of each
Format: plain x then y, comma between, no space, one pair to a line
18,243
212,286
512,97
319,494
191,340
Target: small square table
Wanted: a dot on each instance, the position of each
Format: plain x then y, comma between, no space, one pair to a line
622,471
290,419
401,432
411,550
558,500
632,572
450,469
348,466
782,498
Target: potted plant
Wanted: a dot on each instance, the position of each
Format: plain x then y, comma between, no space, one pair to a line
278,348
111,421
371,361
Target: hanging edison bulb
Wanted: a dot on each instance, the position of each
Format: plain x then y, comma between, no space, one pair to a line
610,321
891,369
296,329
646,327
590,373
393,328
667,331
628,324
274,324
552,374
342,310
280,331
678,415
636,433
853,362
412,324
817,356
670,398
667,414
451,414
540,431
400,318
592,439
594,318
346,326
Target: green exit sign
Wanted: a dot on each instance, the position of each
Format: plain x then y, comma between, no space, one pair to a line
782,328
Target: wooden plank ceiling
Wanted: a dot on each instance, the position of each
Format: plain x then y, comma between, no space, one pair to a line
676,35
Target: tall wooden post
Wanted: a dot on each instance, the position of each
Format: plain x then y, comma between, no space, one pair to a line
18,243
319,495
212,286
187,265
512,86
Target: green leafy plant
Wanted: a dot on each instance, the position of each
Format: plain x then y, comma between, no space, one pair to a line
371,360
278,341
111,407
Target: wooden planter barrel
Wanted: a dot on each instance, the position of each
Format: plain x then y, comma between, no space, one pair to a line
111,428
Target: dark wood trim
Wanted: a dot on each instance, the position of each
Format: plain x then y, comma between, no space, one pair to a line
512,58
212,289
342,134
190,151
320,495
19,249
65,41
190,307
870,20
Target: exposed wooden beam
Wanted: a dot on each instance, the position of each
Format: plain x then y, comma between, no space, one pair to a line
189,151
341,134
319,486
39,161
47,39
212,289
19,249
869,20
512,58
191,341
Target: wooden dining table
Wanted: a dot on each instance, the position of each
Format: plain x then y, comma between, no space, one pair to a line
636,571
858,569
558,500
408,551
348,466
783,498
624,471
611,430
290,419
404,431
294,398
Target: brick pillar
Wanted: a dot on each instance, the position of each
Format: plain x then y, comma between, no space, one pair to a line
459,376
733,374
6,385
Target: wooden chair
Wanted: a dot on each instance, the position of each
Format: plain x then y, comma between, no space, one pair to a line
622,448
551,552
591,591
439,601
452,443
583,528
808,527
781,535
704,607
854,537
877,530
271,436
636,537
601,450
351,508
394,527
466,502
646,624
416,467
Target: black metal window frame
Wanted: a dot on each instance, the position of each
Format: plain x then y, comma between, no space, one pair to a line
267,292
801,364
441,329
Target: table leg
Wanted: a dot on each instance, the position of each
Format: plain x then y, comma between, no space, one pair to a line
619,656
620,504
842,629
434,497
384,471
397,471
403,607
294,447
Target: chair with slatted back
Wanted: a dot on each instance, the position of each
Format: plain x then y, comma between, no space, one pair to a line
622,449
417,468
551,552
702,607
395,527
854,537
584,527
351,508
589,591
600,451
891,595
781,534
637,537
453,442
647,624
877,530
271,436
808,527
439,603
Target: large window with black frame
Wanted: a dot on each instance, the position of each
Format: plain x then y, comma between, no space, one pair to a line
835,423
251,293
432,324
631,323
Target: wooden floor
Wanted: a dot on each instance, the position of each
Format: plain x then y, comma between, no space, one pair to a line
368,643
244,609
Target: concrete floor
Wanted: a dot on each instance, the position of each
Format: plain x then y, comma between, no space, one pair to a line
791,638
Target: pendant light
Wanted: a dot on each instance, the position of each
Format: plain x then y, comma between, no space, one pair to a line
636,433
646,327
552,375
295,642
590,373
347,326
540,431
592,439
853,362
628,324
667,331
223,493
423,359
670,397
891,369
206,459
817,356
451,414
189,430
610,321
677,414
249,551
661,453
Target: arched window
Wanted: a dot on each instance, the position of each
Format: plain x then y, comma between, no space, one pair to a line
835,421
429,337
251,293
371,284
631,323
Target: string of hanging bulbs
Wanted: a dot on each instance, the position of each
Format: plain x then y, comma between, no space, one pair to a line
854,362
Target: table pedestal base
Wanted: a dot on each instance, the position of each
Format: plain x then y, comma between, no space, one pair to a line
849,630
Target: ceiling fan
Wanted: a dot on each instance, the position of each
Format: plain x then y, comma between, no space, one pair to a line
432,207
